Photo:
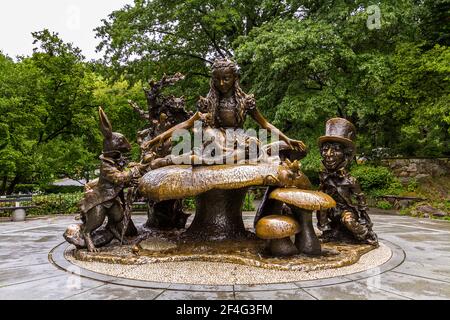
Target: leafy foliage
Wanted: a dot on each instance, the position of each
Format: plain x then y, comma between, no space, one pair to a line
327,64
383,204
56,204
151,38
46,102
305,61
376,180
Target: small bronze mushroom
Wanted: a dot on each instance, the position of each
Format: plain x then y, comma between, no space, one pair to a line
278,229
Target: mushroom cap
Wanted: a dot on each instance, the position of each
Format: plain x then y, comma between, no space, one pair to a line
305,199
181,181
276,227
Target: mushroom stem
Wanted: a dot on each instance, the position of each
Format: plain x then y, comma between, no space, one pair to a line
306,240
283,247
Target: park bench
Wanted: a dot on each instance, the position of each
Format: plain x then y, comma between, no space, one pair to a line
15,203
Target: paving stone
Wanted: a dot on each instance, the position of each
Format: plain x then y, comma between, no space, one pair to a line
191,287
321,282
422,247
424,274
410,286
351,291
55,288
265,287
16,275
115,292
436,271
195,295
298,294
22,259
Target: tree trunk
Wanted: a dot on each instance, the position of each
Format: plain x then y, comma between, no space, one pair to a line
12,185
218,216
3,186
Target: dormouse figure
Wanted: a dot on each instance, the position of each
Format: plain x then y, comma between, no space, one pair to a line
104,197
349,219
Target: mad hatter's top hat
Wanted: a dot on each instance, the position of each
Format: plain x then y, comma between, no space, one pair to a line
339,130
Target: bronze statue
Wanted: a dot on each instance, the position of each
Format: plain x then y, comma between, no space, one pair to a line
220,190
226,106
349,219
104,197
163,112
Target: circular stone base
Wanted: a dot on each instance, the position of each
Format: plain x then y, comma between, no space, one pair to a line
246,252
225,269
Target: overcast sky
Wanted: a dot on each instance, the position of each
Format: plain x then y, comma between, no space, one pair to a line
74,20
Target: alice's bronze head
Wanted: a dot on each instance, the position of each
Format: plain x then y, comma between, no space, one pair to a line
224,75
223,85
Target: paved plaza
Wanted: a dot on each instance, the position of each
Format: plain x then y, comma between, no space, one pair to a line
32,266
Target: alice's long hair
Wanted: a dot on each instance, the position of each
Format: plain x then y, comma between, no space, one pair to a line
212,99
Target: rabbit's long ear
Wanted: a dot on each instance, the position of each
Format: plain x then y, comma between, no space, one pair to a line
105,125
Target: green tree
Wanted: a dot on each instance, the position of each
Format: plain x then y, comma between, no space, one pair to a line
47,114
328,63
150,38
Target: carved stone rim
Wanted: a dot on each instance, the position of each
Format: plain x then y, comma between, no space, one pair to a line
57,257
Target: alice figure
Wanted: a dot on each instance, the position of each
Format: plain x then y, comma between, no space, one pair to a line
225,107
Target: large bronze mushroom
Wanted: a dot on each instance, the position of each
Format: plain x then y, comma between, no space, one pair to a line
219,190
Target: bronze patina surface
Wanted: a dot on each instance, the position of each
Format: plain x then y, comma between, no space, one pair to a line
104,197
349,219
163,112
305,199
180,181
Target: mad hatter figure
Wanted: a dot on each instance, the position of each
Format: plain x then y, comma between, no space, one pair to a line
349,219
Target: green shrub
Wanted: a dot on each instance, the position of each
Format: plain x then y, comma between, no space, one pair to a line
412,185
189,204
312,165
372,177
56,204
248,202
385,205
26,188
376,180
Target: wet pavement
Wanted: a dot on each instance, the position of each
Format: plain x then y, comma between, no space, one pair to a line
32,267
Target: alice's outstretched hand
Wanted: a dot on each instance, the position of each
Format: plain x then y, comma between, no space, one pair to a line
298,145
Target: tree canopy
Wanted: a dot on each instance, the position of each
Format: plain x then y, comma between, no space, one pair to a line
304,60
